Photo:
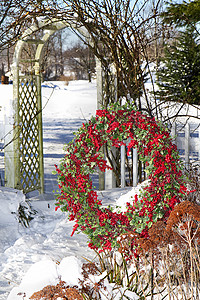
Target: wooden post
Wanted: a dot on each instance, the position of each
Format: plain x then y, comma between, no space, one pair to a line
40,130
99,84
135,168
11,152
173,132
187,146
99,106
110,180
109,174
123,181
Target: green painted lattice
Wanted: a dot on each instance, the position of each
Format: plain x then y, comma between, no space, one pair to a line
24,166
29,151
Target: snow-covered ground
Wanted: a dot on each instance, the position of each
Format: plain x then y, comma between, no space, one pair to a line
47,241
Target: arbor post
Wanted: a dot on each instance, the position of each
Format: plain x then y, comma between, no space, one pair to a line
11,153
99,106
40,131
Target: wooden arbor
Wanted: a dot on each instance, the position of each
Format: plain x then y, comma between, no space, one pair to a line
24,168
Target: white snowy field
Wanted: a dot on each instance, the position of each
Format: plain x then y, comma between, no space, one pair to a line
47,241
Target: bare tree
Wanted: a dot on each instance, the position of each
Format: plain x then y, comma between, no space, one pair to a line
81,61
117,36
53,62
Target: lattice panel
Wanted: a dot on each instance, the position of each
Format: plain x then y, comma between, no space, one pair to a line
109,87
29,134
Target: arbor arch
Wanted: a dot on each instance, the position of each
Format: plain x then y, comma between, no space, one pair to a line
24,167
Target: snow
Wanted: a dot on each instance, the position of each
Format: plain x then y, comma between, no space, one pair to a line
130,196
47,272
45,252
38,276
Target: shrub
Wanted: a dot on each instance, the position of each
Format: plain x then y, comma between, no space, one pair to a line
173,251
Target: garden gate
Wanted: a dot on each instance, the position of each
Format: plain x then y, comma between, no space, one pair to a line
24,141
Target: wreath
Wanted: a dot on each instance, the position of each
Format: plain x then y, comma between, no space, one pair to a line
166,188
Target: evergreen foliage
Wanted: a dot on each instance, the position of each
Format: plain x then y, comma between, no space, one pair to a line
179,75
183,14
